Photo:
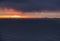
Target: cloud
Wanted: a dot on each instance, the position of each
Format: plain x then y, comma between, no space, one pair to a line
28,5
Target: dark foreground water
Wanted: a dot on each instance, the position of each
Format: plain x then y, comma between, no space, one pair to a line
30,30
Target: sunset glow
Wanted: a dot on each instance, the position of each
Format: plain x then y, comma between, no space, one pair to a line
10,16
13,13
10,13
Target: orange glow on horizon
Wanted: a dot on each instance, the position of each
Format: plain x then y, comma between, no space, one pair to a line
10,13
13,13
10,16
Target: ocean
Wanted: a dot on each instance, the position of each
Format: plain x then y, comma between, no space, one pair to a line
43,29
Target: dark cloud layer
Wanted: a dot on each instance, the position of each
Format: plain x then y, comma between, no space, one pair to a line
28,5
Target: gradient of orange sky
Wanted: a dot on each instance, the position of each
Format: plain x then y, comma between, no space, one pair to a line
12,13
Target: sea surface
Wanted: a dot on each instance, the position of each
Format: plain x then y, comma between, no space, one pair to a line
43,29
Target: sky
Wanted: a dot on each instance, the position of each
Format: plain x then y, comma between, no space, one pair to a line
32,5
33,30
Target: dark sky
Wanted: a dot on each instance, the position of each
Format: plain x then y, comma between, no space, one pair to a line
31,5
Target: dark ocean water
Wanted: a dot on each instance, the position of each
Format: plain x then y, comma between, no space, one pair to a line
30,30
